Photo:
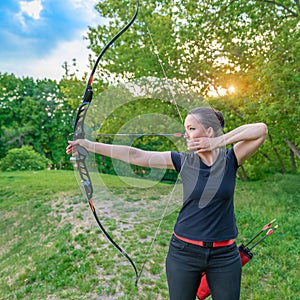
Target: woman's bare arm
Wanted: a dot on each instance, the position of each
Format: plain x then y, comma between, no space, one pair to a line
246,139
132,155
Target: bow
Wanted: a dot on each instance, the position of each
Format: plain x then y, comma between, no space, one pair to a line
79,133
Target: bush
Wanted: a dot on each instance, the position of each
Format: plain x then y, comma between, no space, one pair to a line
25,158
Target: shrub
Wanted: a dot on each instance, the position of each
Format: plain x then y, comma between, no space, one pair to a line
25,158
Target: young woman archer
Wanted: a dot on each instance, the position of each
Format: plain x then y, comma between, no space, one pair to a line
204,233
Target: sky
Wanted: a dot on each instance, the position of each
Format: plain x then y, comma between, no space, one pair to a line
38,36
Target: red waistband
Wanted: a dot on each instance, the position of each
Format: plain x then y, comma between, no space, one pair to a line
206,244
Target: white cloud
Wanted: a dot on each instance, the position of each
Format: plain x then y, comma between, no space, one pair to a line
32,9
50,66
88,7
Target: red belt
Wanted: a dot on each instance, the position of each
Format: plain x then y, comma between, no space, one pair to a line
206,244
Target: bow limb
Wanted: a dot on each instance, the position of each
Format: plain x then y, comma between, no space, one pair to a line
82,153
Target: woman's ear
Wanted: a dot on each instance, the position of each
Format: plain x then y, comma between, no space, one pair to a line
210,132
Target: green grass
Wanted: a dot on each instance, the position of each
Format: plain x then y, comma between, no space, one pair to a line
51,248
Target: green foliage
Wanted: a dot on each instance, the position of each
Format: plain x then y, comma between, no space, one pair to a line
34,113
252,46
25,158
72,89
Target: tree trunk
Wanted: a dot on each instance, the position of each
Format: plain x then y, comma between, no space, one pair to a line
283,169
280,160
242,174
293,148
292,156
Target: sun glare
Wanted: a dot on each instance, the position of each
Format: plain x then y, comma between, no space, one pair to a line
231,90
221,91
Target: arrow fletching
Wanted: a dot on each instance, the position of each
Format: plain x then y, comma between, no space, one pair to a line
269,232
268,225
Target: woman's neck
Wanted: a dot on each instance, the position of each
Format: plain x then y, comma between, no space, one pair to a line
209,157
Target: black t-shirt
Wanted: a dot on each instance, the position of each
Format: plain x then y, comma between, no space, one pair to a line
207,213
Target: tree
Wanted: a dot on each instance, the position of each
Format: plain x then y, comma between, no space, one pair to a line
24,158
13,92
216,45
34,113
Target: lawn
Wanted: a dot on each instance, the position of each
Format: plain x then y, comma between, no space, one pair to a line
51,247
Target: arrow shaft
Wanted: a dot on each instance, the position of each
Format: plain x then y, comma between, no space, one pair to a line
140,134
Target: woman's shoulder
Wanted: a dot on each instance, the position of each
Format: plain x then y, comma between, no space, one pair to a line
230,154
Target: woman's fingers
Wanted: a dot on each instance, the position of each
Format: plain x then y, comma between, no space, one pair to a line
194,144
71,148
199,145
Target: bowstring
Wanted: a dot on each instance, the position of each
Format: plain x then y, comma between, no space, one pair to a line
173,100
156,53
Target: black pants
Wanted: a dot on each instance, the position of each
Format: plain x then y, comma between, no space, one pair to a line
185,263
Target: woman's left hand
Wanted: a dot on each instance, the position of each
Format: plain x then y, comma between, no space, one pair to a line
71,148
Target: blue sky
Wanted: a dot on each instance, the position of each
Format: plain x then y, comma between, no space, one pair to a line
37,36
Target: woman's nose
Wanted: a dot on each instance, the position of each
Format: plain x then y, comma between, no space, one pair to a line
185,135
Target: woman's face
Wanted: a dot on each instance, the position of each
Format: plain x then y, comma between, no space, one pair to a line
193,128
